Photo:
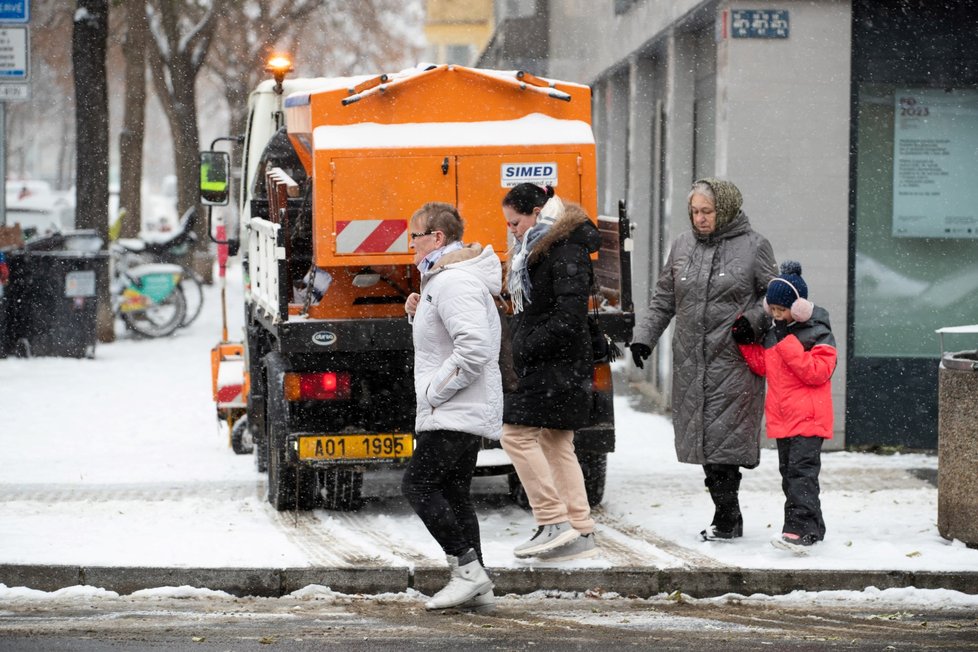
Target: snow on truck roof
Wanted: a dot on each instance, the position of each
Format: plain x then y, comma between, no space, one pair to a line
326,84
534,129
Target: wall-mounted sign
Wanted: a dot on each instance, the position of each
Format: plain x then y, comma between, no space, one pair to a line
15,11
14,47
542,174
759,23
13,92
935,146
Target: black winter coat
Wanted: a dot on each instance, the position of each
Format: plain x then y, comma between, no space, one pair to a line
551,342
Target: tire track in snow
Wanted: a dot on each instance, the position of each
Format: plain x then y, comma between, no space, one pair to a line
383,540
685,555
136,491
320,546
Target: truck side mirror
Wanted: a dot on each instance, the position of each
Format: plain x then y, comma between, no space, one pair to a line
215,168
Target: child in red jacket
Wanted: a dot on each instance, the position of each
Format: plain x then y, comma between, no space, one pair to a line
797,355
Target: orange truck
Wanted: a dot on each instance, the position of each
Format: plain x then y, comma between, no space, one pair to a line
324,237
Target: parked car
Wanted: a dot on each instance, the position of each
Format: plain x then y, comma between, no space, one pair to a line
38,208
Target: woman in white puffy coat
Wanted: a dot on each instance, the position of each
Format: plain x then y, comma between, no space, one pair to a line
459,392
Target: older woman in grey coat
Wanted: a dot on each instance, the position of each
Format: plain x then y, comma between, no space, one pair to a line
716,275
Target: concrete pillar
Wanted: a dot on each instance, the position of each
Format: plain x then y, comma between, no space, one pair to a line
782,135
642,173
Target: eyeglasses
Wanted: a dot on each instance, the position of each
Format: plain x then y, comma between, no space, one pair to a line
421,235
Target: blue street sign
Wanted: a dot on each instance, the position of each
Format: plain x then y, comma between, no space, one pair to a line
759,23
15,11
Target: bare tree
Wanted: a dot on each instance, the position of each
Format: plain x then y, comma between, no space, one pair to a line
181,33
131,136
326,38
259,26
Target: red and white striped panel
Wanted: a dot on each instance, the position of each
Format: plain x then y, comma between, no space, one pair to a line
371,237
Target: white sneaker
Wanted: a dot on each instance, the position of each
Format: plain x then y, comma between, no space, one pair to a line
547,537
482,603
468,581
580,548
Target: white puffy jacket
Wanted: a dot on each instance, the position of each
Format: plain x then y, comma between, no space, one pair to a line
456,345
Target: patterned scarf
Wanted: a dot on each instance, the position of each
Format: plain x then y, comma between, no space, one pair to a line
520,285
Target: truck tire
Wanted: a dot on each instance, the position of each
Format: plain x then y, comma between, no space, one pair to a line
242,442
281,476
289,487
343,488
595,469
516,492
261,453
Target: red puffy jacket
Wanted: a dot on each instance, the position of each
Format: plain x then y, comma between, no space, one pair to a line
799,371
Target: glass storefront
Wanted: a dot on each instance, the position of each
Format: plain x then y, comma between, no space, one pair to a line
914,210
916,229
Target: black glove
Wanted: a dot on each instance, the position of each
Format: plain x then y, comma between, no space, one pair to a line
640,352
780,329
742,331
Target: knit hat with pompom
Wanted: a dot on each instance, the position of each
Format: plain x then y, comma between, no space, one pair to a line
781,291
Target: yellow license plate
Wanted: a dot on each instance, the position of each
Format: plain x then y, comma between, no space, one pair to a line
355,447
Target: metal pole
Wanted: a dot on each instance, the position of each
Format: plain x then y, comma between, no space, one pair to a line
3,163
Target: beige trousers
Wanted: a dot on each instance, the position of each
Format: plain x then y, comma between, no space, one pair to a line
551,475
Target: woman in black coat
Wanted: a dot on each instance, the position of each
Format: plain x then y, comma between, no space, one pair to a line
550,278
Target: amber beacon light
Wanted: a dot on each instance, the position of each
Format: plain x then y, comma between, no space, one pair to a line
279,65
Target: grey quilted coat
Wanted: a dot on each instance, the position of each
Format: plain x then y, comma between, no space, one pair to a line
707,282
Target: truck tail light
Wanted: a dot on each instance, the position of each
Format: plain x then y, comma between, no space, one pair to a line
601,379
320,386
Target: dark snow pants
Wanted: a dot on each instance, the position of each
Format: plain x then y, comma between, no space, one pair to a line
438,483
723,481
800,460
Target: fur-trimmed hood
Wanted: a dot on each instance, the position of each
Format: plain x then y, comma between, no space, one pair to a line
575,225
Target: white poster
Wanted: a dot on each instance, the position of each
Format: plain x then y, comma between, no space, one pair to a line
935,161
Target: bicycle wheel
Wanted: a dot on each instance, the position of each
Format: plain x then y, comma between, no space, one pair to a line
161,319
193,293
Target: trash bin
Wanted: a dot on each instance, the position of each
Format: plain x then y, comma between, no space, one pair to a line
52,302
957,437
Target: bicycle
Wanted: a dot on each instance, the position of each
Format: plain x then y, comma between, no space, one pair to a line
171,249
147,297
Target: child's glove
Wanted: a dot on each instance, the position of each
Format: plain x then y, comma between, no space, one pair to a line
742,331
640,352
780,329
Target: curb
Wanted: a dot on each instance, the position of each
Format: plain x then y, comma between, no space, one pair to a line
642,582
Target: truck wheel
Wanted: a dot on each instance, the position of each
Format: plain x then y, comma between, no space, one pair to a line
281,476
595,468
343,488
242,442
516,491
261,453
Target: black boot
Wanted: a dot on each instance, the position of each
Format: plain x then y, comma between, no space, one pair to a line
723,481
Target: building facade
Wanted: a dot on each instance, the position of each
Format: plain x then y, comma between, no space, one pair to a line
851,127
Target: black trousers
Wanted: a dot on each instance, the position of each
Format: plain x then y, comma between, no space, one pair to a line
800,460
438,483
723,481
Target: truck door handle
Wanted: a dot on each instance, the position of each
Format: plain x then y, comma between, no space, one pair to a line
444,166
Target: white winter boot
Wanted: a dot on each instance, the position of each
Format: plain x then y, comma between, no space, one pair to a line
468,581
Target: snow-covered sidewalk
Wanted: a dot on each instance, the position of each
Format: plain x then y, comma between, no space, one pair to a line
120,461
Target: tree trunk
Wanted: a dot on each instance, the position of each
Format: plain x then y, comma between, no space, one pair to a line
175,60
88,45
131,137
